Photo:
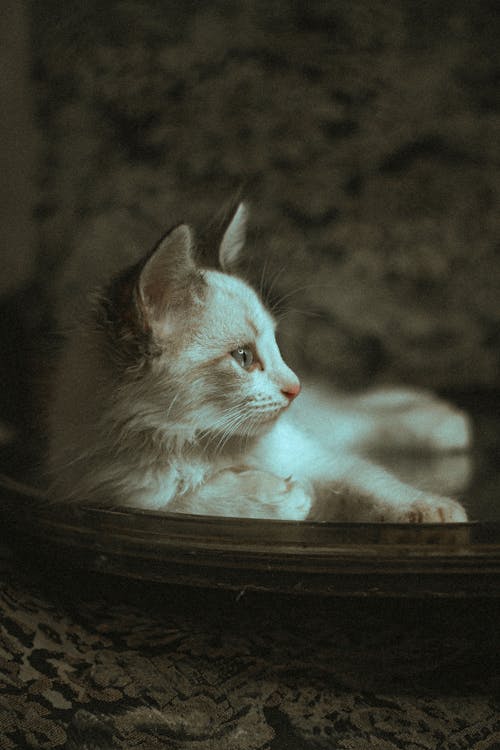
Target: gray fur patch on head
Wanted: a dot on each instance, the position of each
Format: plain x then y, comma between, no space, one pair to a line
151,299
120,314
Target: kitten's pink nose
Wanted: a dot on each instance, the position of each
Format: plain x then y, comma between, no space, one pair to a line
291,390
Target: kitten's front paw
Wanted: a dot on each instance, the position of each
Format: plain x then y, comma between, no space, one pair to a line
249,493
294,502
283,499
434,510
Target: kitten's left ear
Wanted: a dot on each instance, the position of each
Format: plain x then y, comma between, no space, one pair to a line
233,239
168,276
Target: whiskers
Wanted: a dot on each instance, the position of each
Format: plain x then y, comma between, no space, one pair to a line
241,421
279,304
219,434
267,286
286,312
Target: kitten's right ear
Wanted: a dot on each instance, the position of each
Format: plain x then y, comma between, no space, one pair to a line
233,239
168,275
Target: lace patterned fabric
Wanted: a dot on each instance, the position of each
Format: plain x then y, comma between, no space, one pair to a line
89,662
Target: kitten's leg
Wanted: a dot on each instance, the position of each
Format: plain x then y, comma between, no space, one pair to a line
244,492
346,486
442,473
388,418
366,492
418,419
397,397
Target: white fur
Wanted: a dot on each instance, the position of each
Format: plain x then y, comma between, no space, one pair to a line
182,426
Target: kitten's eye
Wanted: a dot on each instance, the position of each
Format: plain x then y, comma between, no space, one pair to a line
244,356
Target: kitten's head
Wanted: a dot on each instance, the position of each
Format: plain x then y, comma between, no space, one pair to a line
197,344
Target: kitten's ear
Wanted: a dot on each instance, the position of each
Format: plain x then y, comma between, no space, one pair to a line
234,238
168,275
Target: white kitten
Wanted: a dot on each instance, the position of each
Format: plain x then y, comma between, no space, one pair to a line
173,395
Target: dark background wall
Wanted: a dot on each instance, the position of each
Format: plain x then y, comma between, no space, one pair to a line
365,135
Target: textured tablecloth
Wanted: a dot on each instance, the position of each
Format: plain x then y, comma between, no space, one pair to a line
95,664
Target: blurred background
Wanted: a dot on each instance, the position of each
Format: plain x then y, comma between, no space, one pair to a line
365,136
